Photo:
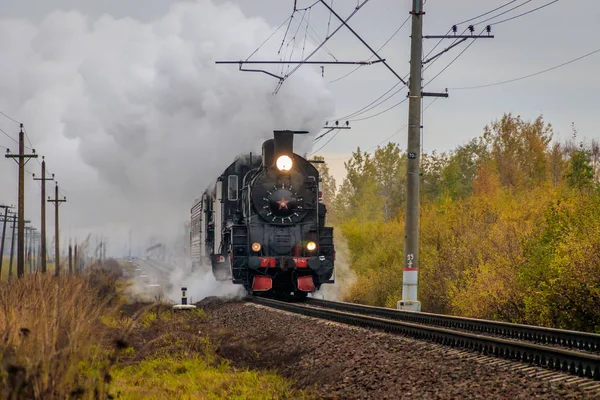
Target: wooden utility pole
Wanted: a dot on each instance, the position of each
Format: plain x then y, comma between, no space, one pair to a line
22,160
29,245
56,202
43,251
4,221
70,260
12,247
76,259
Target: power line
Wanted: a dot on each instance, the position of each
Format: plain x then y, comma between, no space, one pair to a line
451,62
505,12
525,13
389,137
463,22
381,112
320,148
530,75
401,129
487,13
378,50
12,119
267,39
368,107
28,141
8,136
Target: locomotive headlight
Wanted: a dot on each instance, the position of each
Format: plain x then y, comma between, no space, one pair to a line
311,246
284,163
256,247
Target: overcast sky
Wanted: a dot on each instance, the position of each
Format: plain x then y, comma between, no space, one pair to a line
123,96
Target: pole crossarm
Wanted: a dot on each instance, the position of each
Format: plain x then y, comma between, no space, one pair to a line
300,62
458,37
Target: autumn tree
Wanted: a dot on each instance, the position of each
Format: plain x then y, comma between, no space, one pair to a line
580,173
328,184
519,150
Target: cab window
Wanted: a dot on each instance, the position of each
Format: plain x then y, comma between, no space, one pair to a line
232,185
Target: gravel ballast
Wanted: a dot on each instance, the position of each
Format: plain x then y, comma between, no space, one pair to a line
343,362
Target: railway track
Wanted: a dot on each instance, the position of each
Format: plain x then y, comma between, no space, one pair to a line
452,331
584,341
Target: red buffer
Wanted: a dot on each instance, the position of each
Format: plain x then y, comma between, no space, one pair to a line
262,283
306,284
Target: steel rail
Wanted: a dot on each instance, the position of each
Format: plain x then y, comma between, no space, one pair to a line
537,334
576,363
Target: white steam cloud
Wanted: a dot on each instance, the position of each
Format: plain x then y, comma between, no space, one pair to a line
135,118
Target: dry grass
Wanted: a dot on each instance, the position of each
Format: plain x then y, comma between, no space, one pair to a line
52,335
6,267
76,337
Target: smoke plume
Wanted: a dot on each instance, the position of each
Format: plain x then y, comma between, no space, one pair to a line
135,119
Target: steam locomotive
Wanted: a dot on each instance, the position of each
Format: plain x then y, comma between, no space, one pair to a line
262,224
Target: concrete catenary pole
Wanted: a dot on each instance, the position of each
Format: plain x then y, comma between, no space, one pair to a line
411,231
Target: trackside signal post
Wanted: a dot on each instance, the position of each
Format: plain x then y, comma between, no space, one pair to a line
411,229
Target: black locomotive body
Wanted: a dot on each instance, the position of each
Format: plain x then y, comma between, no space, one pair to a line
262,224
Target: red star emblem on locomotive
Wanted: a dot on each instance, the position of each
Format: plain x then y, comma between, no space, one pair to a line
283,203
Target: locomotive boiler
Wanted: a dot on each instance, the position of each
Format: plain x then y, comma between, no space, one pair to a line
262,223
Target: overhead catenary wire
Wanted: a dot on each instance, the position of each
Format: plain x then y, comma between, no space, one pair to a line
381,112
306,33
525,13
372,105
401,129
530,75
451,62
492,23
330,139
358,7
486,13
378,50
504,12
268,38
329,22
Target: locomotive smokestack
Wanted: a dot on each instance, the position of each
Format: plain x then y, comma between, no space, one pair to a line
284,143
284,149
